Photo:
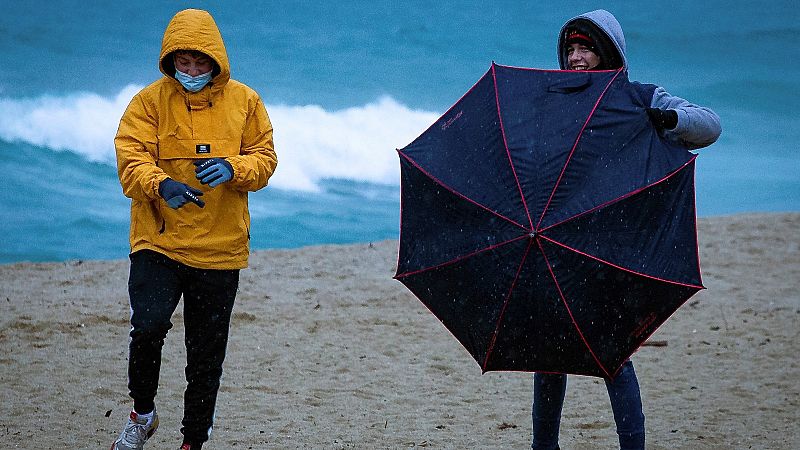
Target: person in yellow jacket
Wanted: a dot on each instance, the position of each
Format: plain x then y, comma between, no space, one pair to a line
190,147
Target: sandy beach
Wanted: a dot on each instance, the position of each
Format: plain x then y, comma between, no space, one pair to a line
327,351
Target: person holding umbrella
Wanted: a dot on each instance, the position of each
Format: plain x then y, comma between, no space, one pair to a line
595,41
190,147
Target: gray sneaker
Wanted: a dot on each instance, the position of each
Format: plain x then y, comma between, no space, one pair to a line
136,432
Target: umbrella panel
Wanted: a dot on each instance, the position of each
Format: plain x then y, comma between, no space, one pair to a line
468,295
465,151
459,228
651,231
615,310
543,114
577,138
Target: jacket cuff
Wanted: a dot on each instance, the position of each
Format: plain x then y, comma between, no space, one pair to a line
683,122
156,188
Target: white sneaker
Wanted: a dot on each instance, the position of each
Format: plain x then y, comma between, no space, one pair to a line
136,432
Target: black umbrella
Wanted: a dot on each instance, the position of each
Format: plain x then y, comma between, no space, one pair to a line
546,223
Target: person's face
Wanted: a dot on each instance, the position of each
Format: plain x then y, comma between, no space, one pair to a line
579,57
193,65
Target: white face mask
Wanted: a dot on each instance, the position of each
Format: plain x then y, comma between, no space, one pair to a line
192,84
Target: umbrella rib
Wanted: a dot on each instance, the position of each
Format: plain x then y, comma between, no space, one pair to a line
505,305
569,311
461,258
644,275
574,146
457,194
505,144
453,105
623,197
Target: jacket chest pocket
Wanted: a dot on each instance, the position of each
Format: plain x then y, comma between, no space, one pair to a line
174,147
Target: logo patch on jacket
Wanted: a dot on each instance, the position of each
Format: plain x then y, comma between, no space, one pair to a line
203,148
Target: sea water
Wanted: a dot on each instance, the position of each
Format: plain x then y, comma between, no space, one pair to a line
346,84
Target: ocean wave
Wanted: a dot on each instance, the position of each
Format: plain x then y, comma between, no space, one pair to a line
84,123
312,143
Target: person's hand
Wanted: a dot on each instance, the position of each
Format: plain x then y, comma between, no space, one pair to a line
178,194
213,172
663,119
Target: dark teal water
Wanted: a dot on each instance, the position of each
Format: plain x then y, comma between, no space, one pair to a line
348,83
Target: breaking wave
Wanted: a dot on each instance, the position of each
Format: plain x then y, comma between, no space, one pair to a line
312,143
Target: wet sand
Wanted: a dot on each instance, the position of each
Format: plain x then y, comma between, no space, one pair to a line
327,351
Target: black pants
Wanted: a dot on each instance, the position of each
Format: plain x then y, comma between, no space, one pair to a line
155,286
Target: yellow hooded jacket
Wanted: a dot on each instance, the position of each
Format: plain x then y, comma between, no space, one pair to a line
166,128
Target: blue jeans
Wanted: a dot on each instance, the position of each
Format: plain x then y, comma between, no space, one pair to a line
626,403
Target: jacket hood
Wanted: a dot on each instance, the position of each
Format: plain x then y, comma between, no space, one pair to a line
598,21
195,29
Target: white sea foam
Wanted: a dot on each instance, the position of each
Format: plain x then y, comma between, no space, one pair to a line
312,143
357,143
84,123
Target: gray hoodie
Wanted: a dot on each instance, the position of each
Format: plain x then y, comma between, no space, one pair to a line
697,127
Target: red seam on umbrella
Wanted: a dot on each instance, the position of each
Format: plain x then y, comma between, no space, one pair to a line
644,275
646,338
456,193
462,97
451,107
503,309
433,178
400,240
629,194
460,258
574,146
569,311
696,247
505,143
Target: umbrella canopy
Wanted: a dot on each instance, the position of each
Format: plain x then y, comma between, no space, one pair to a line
546,223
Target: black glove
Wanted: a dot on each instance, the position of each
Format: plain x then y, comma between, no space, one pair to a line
178,194
663,119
